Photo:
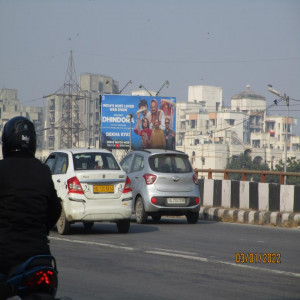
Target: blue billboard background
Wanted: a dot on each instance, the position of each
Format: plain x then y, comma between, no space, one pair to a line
115,121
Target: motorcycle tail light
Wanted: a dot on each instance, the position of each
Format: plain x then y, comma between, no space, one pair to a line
42,280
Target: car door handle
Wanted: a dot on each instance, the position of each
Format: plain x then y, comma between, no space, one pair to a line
136,176
58,180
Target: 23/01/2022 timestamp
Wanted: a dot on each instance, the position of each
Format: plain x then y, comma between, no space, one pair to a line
254,258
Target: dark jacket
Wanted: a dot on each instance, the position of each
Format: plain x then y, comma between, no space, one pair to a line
29,207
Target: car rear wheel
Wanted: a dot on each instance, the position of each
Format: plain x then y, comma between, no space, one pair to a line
88,225
123,226
140,214
192,217
63,226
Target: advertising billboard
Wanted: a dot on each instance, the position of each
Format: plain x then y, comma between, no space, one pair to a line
138,122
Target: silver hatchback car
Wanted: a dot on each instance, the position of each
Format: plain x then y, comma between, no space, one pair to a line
163,183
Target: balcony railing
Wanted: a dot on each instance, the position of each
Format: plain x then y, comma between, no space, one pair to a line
244,173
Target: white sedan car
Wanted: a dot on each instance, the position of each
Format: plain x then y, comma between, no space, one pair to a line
92,187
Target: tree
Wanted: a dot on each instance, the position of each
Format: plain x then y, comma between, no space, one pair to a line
244,161
292,165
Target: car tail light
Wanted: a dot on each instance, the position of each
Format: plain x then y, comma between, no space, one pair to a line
154,200
43,280
149,178
195,179
127,186
74,186
197,200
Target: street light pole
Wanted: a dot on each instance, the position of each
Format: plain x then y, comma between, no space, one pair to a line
286,134
100,125
142,87
286,98
166,83
130,116
120,92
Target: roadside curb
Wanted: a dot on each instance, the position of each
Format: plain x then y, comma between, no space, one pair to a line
250,217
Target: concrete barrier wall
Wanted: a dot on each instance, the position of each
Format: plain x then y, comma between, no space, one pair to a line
250,195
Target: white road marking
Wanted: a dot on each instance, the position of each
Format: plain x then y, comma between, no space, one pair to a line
179,254
203,259
93,243
176,251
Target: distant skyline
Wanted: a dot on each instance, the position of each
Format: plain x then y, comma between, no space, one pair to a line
225,43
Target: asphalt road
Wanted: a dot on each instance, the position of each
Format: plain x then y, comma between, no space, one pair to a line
176,260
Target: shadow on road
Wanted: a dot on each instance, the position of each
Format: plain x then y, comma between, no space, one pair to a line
171,221
105,228
109,229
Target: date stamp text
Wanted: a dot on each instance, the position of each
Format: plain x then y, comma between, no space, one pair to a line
257,258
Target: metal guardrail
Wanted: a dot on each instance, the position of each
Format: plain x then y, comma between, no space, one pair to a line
247,172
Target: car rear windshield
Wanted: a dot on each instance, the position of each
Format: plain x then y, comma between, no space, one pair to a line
95,161
170,163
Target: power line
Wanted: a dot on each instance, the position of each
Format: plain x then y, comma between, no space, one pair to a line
184,60
247,119
32,100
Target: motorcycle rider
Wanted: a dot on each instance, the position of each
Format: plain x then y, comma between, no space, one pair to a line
29,206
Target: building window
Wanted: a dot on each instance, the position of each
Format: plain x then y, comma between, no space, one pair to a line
207,124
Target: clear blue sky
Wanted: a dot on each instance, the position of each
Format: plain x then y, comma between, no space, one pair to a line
225,43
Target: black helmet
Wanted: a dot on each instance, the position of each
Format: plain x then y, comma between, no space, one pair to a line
18,135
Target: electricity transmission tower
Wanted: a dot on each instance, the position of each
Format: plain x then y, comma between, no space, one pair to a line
70,123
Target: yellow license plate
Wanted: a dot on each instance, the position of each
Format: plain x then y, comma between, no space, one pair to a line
103,189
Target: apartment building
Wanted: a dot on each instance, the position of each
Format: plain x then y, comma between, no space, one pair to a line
77,115
10,107
211,134
206,130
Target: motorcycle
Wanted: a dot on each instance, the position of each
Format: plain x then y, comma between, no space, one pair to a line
36,278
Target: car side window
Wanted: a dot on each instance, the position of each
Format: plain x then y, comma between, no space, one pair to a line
126,163
50,162
111,162
61,165
138,163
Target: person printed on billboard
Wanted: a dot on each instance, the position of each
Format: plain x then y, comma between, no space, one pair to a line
156,114
157,140
145,132
169,135
144,112
167,106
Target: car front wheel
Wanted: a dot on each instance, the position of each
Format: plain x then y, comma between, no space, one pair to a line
123,226
140,214
63,226
192,217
